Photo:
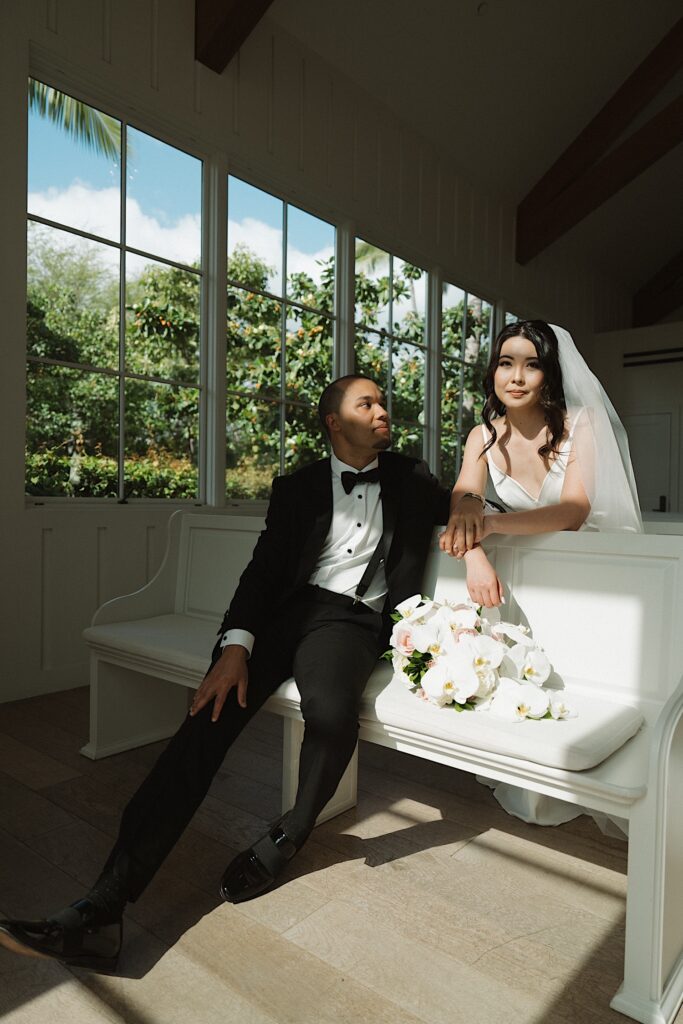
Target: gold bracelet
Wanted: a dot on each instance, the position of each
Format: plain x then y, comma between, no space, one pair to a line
471,494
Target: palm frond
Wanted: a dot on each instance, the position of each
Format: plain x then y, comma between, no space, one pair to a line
98,131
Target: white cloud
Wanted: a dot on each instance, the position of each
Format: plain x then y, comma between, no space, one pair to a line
266,242
97,212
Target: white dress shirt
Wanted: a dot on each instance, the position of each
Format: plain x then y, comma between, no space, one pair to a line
353,535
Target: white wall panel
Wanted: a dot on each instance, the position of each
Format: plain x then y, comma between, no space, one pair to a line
388,145
317,137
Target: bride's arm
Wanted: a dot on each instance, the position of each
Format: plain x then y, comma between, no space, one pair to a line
569,514
483,583
466,520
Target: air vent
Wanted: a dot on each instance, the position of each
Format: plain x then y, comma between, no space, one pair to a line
653,357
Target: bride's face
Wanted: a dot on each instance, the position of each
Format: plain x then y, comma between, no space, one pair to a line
518,378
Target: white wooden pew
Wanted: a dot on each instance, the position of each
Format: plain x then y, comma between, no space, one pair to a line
608,609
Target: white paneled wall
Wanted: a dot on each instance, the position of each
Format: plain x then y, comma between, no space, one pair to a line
642,391
282,118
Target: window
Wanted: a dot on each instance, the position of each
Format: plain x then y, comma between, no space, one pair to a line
466,325
280,336
390,342
115,292
512,318
114,283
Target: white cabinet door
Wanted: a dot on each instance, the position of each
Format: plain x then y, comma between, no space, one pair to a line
649,438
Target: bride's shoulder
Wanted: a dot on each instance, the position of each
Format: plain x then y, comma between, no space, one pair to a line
574,417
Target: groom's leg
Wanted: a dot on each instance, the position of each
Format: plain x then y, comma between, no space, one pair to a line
164,804
332,664
334,658
88,933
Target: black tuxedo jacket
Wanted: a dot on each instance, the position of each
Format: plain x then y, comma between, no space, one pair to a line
297,523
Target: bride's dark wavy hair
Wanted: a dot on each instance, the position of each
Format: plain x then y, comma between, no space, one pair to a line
552,400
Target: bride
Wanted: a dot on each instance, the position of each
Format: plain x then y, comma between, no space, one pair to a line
554,454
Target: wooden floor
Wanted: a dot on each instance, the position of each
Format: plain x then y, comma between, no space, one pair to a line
426,903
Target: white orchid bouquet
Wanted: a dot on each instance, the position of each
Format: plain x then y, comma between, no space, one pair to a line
449,654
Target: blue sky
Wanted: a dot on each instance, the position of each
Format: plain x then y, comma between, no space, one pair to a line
72,184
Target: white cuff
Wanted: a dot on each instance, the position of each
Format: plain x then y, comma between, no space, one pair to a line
238,636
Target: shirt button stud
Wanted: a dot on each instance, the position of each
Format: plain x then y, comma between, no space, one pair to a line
349,551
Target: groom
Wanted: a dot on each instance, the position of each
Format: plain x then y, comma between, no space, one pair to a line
346,540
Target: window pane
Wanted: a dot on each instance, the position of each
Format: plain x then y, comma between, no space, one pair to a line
309,355
407,438
71,432
74,154
410,295
162,313
253,356
253,446
310,259
372,358
254,236
408,384
512,318
72,298
448,460
163,199
451,320
472,403
373,286
161,440
304,440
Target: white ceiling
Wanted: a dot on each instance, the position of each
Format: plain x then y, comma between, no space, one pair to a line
503,87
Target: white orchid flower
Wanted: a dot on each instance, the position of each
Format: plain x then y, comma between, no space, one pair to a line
460,616
467,681
414,607
531,664
518,634
428,637
516,701
438,684
560,709
486,652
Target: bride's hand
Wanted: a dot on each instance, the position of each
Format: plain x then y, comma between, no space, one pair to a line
465,528
483,583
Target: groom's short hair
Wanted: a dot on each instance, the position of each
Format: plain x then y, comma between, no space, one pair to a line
333,395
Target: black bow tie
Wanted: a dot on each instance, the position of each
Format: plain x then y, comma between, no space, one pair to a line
349,480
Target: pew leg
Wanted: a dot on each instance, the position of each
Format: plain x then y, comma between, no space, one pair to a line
652,990
345,796
129,709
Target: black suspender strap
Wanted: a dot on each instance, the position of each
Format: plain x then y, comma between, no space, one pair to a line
370,570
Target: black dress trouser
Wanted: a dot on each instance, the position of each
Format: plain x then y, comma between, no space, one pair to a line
330,648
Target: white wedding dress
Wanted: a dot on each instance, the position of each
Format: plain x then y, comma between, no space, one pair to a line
508,492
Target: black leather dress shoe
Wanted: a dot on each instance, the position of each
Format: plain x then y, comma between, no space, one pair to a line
70,936
254,870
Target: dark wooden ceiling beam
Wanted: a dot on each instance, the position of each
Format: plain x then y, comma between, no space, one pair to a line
222,26
572,168
662,294
639,89
652,141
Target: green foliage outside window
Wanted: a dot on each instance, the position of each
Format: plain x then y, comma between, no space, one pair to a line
73,413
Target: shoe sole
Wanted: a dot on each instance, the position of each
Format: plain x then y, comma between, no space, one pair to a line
105,965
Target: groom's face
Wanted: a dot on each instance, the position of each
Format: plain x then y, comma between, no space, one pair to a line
362,421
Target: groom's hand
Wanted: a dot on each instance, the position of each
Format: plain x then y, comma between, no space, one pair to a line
465,528
230,670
